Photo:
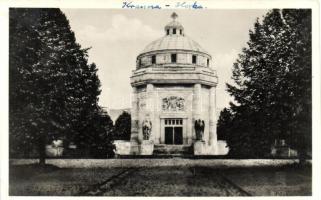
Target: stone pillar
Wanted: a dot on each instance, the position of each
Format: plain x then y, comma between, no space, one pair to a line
189,130
212,140
147,146
149,99
197,105
156,122
149,112
134,116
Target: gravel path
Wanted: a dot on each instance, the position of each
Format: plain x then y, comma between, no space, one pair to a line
102,187
169,181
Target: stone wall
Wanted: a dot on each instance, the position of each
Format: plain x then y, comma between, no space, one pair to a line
188,92
165,58
150,105
205,111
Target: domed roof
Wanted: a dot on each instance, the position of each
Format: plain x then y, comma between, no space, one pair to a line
174,42
175,39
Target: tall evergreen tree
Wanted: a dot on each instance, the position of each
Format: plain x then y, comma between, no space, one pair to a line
23,48
298,23
273,84
123,126
224,125
53,90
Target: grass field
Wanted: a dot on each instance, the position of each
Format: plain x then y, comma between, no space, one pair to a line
184,180
32,180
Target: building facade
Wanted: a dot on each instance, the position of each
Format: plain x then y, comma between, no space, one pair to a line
174,96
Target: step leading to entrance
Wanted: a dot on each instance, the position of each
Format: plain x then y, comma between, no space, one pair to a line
165,149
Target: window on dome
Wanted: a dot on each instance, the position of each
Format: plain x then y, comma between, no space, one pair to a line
167,31
180,31
153,59
174,31
173,58
208,62
194,59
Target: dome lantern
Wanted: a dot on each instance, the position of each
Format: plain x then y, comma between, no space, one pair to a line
174,27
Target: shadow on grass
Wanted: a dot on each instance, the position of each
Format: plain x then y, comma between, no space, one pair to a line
30,170
307,167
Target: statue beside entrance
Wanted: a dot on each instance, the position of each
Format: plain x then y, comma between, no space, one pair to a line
199,126
147,145
147,128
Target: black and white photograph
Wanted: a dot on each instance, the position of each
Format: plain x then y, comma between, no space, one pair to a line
153,99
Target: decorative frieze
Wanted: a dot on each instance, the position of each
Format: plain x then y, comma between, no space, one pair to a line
173,103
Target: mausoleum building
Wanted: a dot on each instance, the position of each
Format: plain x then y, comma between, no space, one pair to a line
174,97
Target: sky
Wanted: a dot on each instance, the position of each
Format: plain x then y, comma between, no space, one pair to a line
116,37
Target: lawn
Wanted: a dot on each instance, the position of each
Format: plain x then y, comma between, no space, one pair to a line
278,181
32,180
183,180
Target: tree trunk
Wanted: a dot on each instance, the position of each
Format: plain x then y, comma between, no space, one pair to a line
302,157
42,150
42,160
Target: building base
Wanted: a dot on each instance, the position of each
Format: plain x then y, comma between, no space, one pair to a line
147,148
124,147
201,148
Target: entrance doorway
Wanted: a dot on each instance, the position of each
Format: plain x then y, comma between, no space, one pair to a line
173,131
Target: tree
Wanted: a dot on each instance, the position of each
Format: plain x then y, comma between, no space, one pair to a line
123,126
273,84
53,90
23,48
98,139
299,27
224,124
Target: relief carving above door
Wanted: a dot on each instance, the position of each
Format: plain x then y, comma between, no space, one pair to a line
173,103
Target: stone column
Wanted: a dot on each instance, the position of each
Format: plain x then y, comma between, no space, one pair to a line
149,112
156,122
212,140
134,116
197,105
147,146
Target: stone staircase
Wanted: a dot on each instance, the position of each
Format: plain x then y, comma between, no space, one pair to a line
172,150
